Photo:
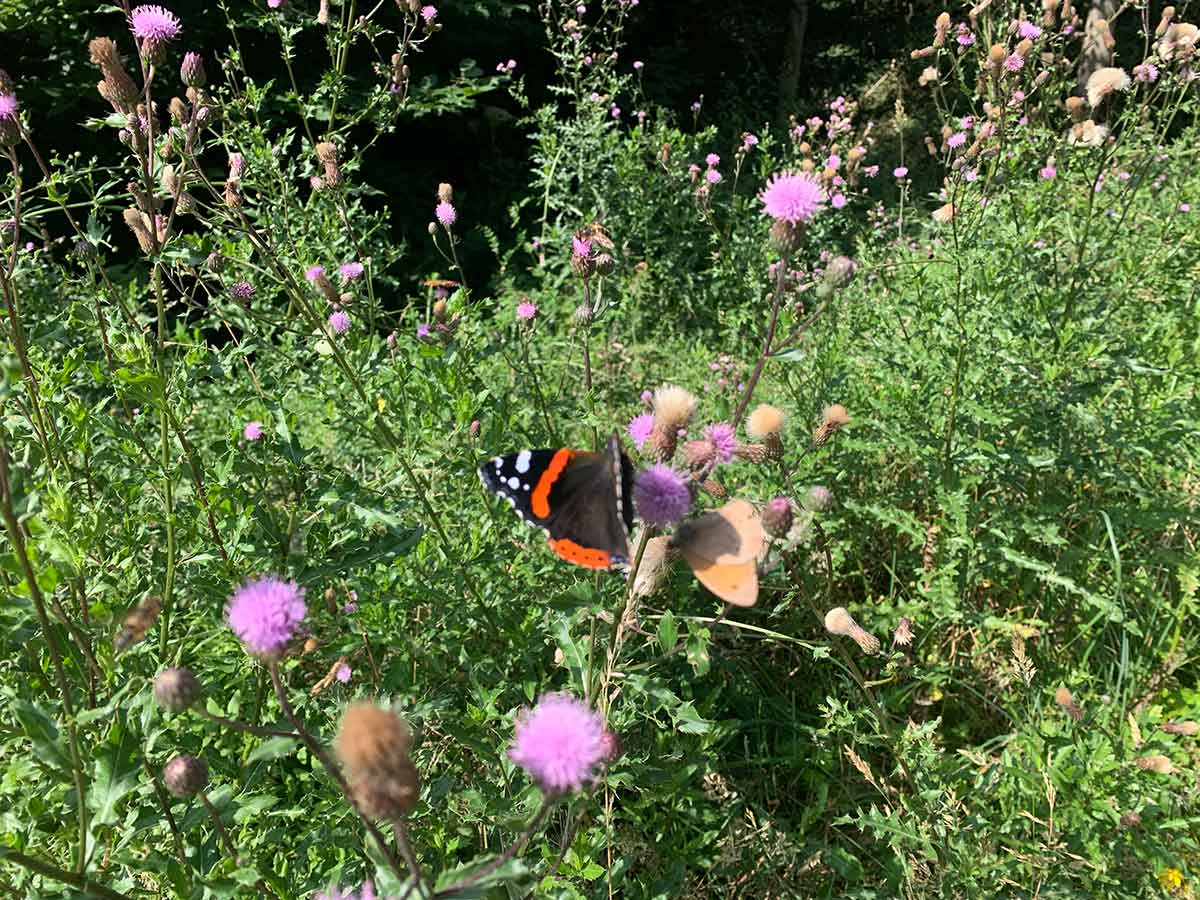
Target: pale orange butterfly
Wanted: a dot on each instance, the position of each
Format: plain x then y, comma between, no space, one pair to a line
722,549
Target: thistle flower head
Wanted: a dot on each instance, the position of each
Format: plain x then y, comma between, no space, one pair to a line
792,197
526,310
191,70
673,407
351,270
1104,82
313,274
777,517
155,23
640,428
373,745
818,499
9,106
559,743
765,420
723,439
265,614
253,431
1159,764
185,776
661,495
903,634
176,689
838,621
339,321
445,214
241,290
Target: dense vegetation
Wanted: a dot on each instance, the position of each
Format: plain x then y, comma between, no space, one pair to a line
935,318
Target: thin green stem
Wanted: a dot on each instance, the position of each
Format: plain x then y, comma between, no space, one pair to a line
49,870
510,853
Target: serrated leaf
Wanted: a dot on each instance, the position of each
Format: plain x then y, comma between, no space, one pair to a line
41,730
273,748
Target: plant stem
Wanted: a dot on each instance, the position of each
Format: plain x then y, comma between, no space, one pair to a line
245,726
323,756
776,305
400,829
17,541
504,857
49,870
164,803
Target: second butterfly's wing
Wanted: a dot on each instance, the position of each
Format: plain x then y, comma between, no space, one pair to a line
735,583
731,534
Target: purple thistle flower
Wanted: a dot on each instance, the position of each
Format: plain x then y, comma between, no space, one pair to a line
1014,62
429,13
615,112
792,197
253,430
712,160
581,247
900,172
558,743
242,290
1185,207
1146,73
1047,173
640,428
526,310
638,65
838,201
9,106
1029,30
265,613
422,330
351,270
956,140
661,496
965,37
274,4
155,23
339,322
723,438
446,214
343,673
712,176
748,141
314,273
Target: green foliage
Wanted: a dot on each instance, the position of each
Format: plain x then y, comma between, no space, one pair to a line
1016,486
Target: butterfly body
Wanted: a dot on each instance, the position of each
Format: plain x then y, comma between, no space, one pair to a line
582,500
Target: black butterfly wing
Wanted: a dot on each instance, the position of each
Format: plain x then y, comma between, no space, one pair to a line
515,478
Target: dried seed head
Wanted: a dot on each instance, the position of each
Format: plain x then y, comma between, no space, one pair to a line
1160,765
327,154
178,110
439,310
1164,23
1076,108
445,193
136,220
765,421
176,689
903,634
929,75
1063,698
1187,729
1103,83
777,517
833,418
373,745
185,776
387,795
673,411
838,621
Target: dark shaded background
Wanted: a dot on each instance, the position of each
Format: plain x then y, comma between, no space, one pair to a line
734,53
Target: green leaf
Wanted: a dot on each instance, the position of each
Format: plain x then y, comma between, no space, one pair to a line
273,748
47,742
668,632
116,774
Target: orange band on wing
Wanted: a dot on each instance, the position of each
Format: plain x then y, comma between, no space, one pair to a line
539,500
581,556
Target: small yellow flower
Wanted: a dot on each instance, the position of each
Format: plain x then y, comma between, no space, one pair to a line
380,404
1172,881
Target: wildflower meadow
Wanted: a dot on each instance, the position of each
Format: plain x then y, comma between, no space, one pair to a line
595,449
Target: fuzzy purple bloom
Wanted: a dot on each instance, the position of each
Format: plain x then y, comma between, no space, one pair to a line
723,438
242,290
661,495
1014,62
253,431
343,673
712,176
558,743
422,330
446,214
712,160
838,201
581,247
1047,173
792,197
155,23
339,321
9,106
526,310
351,270
1146,73
1029,30
956,140
900,172
965,37
429,13
264,613
640,428
312,273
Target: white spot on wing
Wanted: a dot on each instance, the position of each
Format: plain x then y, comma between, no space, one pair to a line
498,462
514,482
523,462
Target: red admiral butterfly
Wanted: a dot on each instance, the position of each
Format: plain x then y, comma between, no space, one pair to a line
582,500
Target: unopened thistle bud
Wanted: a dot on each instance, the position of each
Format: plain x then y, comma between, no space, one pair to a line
439,310
833,418
373,745
176,689
327,154
1049,8
940,28
928,76
191,70
714,489
818,499
777,517
178,110
838,621
922,53
185,776
323,13
996,56
1024,47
